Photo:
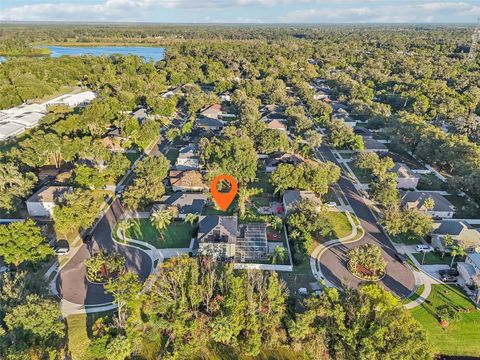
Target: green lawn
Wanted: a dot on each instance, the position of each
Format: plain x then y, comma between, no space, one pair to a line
430,182
364,176
460,338
433,258
132,156
301,276
405,240
262,182
177,235
79,332
341,225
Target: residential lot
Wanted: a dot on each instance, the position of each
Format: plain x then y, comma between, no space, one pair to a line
177,235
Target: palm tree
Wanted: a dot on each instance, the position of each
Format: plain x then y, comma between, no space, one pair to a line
160,219
276,223
191,219
456,251
447,242
244,195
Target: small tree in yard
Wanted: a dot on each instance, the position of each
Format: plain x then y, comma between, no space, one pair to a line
456,251
162,218
124,226
276,223
447,313
244,195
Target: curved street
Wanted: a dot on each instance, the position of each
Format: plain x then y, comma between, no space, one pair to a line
71,281
399,279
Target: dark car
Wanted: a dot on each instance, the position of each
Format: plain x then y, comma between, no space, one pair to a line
449,278
61,247
401,257
451,272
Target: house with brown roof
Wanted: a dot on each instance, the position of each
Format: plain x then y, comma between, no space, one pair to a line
213,111
275,124
42,203
186,180
113,144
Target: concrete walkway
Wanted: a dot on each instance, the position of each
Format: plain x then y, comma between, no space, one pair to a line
422,279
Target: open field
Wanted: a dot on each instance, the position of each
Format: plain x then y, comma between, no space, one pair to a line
459,338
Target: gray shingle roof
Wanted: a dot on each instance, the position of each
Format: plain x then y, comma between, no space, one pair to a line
217,229
418,198
186,203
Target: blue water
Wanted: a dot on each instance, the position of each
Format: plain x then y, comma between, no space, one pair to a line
148,53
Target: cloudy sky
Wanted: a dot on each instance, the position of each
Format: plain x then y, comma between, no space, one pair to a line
242,11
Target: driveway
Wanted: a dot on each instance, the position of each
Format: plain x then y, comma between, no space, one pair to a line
398,279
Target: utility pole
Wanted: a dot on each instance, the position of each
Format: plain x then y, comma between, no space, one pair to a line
475,40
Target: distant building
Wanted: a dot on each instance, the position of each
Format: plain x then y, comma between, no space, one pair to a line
292,198
372,145
209,124
187,158
186,180
462,234
185,203
42,203
10,130
213,111
272,162
442,208
217,236
406,178
274,124
74,100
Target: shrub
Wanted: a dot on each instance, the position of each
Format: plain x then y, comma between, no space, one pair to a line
366,262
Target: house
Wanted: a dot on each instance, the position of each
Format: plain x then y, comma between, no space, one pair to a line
42,203
442,208
462,233
276,159
217,236
470,269
213,111
186,180
185,203
372,145
209,124
113,144
224,239
292,197
28,119
275,124
140,114
406,178
187,158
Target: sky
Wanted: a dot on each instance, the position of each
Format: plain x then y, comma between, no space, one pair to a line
243,11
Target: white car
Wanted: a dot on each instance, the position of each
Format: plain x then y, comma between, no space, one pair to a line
424,248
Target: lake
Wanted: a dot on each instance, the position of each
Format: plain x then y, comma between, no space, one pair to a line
148,53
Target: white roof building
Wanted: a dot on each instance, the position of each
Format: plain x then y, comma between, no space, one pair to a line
73,100
29,120
8,130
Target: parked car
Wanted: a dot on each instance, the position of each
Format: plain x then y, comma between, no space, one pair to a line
424,248
449,278
61,247
451,272
401,257
331,204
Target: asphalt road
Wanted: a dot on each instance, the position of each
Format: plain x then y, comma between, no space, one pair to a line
398,278
72,284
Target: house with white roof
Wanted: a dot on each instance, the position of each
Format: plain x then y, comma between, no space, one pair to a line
187,158
10,129
42,203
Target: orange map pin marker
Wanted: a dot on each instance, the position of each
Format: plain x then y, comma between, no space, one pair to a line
222,199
